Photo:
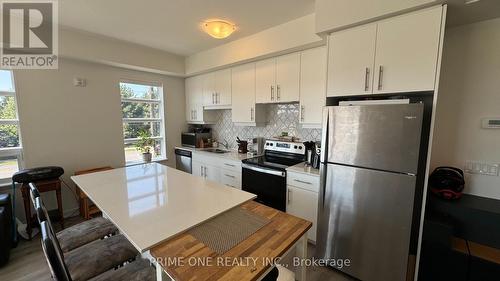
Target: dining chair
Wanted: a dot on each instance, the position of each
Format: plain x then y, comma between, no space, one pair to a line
79,234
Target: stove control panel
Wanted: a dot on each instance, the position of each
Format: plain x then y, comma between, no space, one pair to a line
284,146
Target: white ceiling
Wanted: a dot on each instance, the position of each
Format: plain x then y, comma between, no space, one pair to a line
459,13
174,25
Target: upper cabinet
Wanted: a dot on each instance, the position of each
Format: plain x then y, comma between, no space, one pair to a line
217,89
312,86
350,61
332,15
407,52
194,102
395,55
277,79
244,108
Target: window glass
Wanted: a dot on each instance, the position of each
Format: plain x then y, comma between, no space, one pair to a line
142,112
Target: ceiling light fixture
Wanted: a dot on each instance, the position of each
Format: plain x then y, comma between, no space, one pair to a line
218,28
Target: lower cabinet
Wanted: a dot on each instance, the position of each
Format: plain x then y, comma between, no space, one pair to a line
302,200
217,169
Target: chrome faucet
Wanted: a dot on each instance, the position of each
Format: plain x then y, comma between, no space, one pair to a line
225,144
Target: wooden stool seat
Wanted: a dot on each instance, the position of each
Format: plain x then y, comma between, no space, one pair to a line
87,208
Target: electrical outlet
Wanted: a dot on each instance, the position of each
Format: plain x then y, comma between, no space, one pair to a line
482,168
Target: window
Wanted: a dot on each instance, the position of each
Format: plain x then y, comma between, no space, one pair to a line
142,109
10,142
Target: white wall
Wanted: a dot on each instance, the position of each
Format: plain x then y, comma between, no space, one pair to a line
293,35
80,127
469,90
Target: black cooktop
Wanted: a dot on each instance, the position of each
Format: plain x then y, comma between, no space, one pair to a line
274,161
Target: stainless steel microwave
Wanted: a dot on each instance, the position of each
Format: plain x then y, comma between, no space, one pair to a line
192,139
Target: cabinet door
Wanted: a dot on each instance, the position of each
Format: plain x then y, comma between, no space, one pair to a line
265,81
287,77
189,85
303,204
223,87
407,52
350,61
243,93
312,85
208,81
194,97
212,173
197,169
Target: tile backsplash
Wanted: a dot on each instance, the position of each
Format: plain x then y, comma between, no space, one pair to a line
281,118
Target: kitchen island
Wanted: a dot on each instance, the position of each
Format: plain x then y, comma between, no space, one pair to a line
153,205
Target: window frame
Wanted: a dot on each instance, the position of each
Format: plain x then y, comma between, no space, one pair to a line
10,152
161,119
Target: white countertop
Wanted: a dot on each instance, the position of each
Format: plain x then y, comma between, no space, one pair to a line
150,203
232,155
303,169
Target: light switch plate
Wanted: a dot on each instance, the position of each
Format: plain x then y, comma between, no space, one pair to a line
482,168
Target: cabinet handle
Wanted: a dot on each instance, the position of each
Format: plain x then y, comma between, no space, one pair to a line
213,98
278,92
251,114
205,168
230,165
217,98
229,176
231,185
289,195
380,74
304,182
195,114
367,76
201,171
272,92
302,113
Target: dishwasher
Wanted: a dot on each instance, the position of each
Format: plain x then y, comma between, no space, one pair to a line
183,160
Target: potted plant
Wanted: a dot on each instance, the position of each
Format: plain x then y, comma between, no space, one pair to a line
144,145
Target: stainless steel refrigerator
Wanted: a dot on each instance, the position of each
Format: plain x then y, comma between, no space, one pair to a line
369,166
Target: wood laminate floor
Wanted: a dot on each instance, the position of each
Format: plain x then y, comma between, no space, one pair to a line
27,263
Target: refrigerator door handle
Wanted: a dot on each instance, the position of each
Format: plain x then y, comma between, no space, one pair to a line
322,188
324,134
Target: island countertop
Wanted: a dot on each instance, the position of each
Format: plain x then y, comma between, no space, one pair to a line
151,203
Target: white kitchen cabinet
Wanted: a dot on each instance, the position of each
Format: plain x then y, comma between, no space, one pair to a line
287,77
303,204
277,79
231,178
350,61
194,102
218,169
331,15
407,52
206,171
265,81
394,55
302,199
244,110
312,86
217,89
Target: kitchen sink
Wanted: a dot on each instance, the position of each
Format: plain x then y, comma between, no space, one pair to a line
217,150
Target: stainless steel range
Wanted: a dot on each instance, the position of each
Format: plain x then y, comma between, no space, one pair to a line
265,176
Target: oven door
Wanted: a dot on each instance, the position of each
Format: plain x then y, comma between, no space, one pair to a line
268,184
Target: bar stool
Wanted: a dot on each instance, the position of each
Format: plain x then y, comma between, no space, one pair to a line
77,235
84,262
92,260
